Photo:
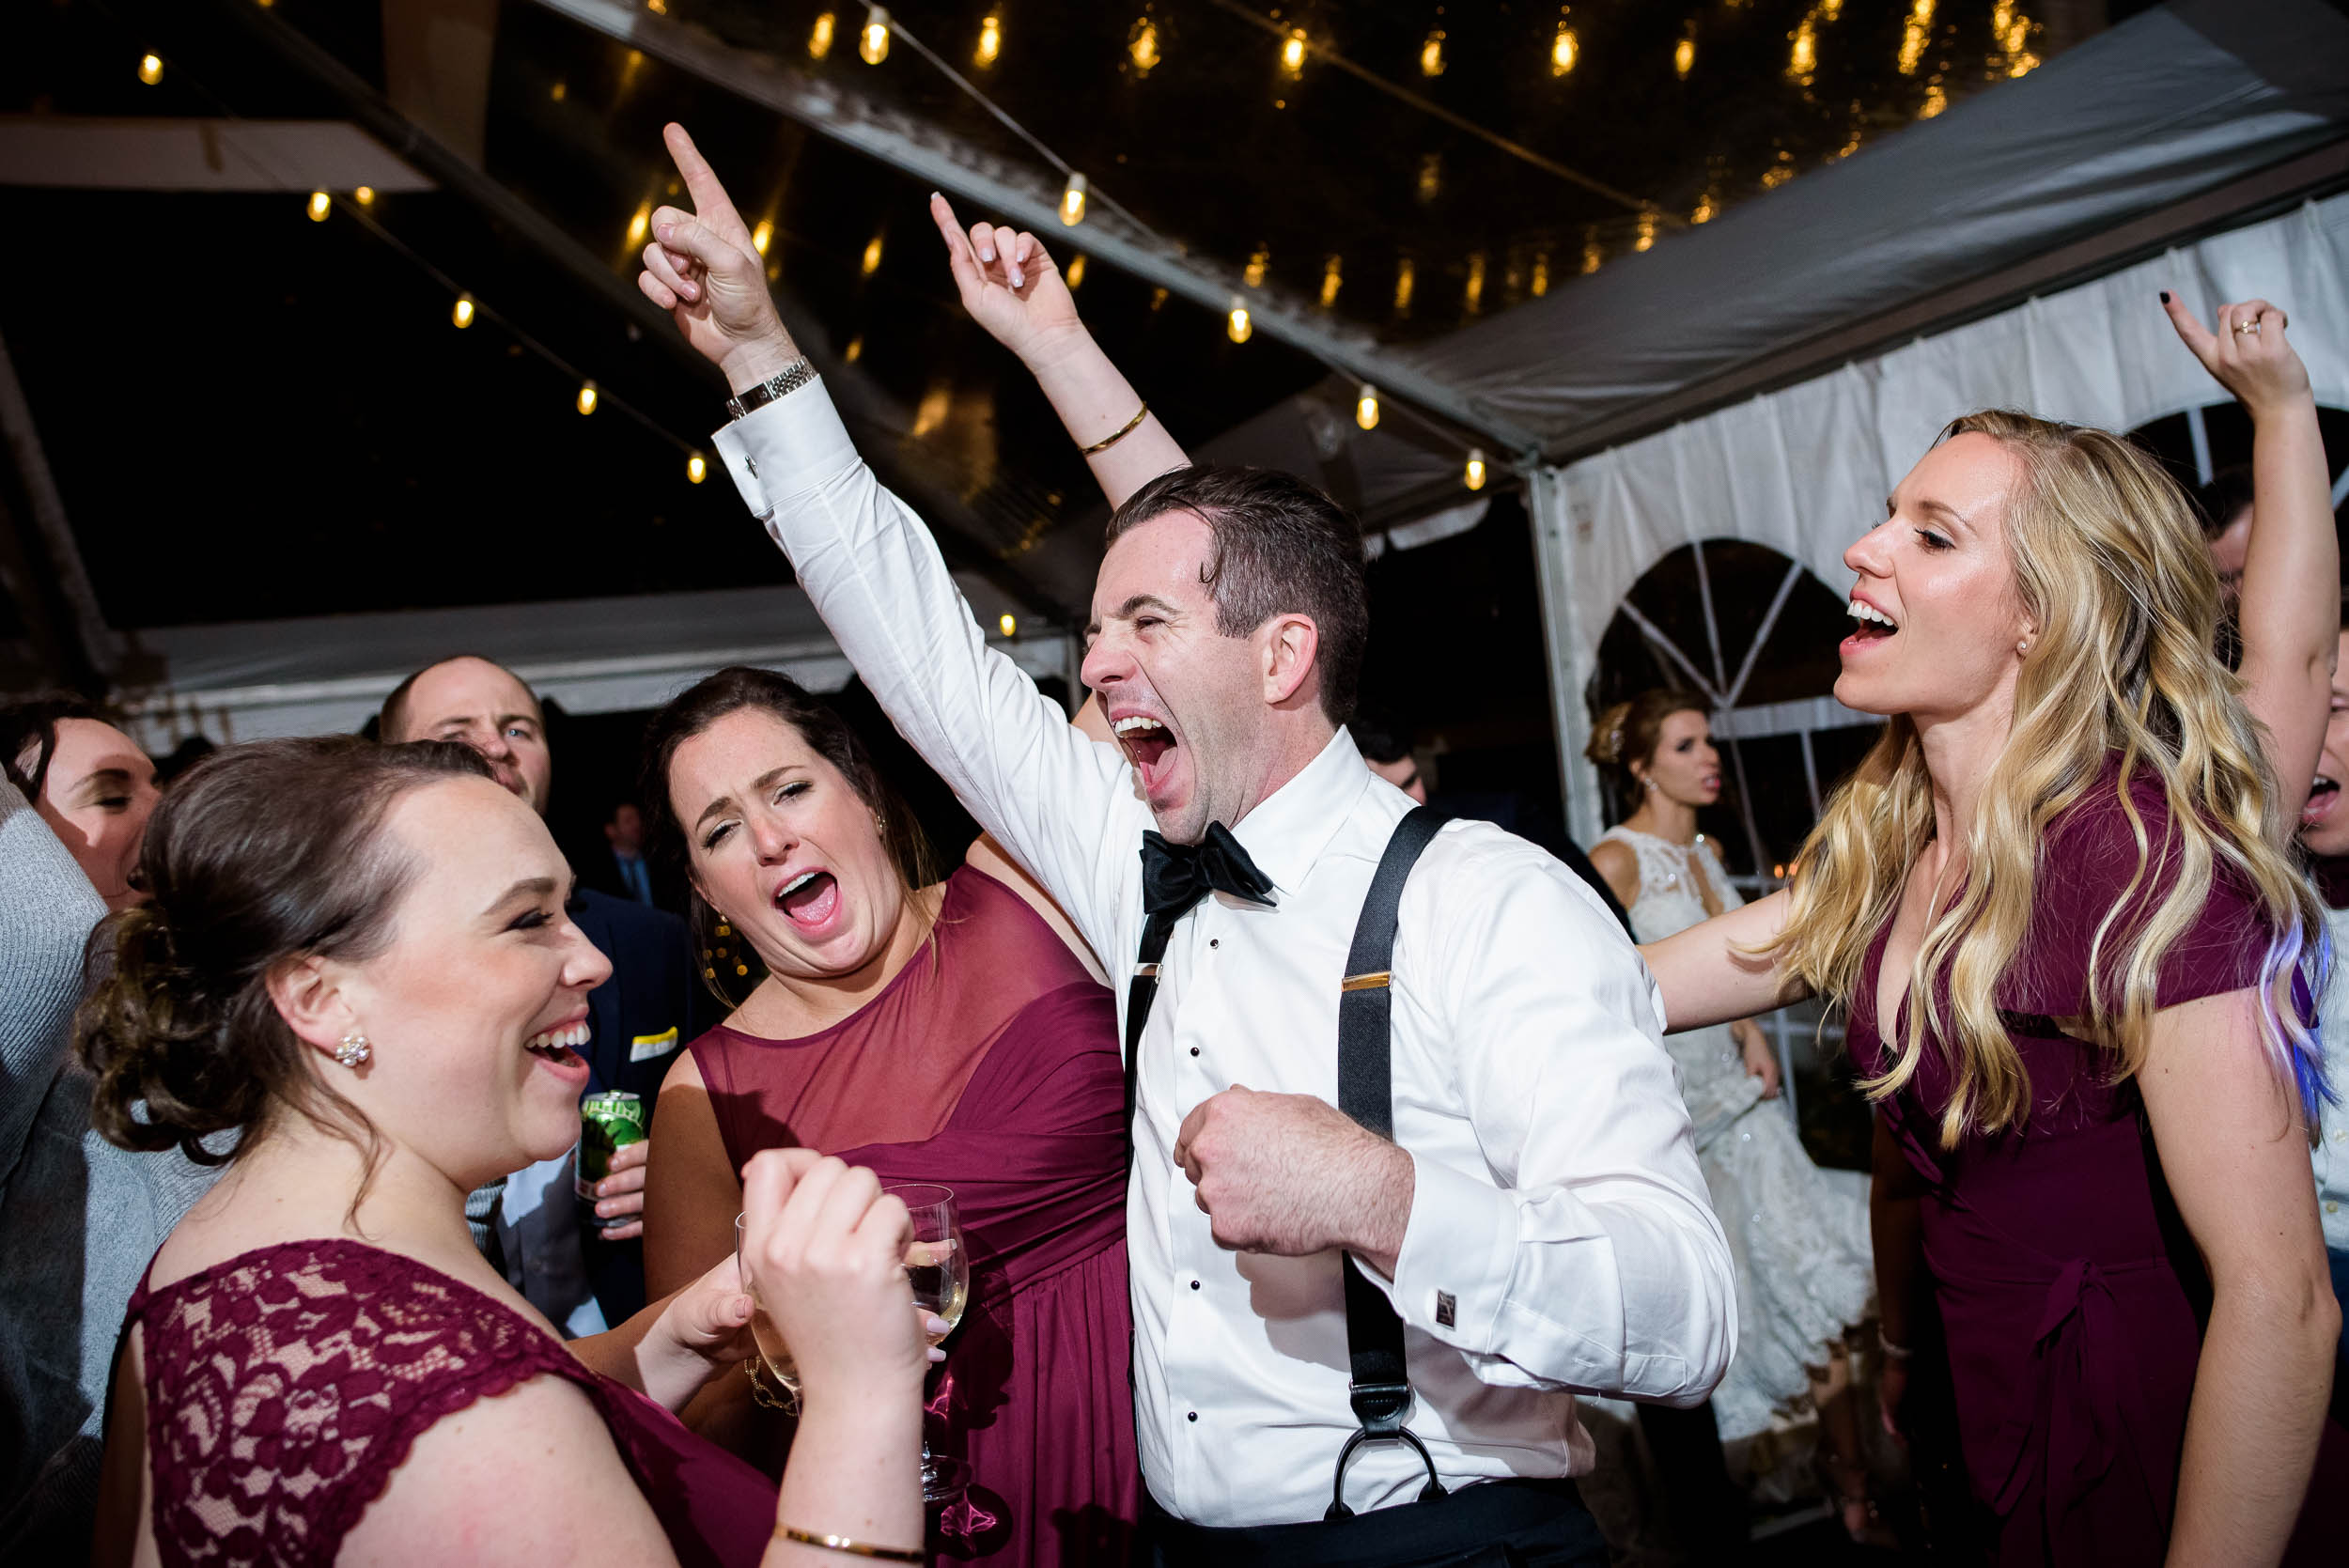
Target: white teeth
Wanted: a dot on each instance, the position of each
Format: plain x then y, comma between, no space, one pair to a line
1134,721
1860,612
571,1037
802,879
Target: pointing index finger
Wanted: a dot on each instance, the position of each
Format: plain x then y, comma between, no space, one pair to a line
711,202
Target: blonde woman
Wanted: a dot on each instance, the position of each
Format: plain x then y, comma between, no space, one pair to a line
1799,1233
2052,900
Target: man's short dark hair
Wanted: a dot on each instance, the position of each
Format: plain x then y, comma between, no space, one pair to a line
2223,498
1282,547
392,718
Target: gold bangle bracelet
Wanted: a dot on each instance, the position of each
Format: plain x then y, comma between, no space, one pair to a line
853,1548
1129,428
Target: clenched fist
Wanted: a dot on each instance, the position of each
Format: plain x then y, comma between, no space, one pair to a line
1293,1176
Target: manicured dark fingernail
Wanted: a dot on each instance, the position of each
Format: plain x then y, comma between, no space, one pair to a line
2165,296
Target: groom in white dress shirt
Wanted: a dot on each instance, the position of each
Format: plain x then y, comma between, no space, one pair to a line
1538,1222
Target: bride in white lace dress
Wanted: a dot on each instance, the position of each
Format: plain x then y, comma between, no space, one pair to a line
1799,1233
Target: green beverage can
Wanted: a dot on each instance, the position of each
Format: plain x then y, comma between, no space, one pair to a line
608,1122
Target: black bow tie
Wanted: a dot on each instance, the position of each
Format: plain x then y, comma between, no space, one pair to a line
1174,877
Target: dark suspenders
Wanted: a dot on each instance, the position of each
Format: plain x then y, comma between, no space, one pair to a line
1380,1393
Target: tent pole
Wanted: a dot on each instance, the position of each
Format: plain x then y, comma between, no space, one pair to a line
1553,550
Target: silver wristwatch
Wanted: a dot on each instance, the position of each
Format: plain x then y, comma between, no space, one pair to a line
789,379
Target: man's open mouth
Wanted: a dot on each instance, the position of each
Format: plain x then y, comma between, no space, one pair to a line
810,898
1146,740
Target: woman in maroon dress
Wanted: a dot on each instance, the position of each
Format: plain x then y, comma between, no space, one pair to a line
949,1032
357,957
2054,904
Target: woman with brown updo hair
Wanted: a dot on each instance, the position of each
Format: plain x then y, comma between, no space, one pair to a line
357,958
943,1032
1799,1233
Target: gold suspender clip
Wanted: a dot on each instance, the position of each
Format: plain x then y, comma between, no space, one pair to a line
1146,972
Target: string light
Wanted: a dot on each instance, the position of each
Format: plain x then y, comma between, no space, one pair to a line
1540,283
364,195
1474,478
855,350
1935,101
1076,270
1293,52
639,224
320,205
1366,407
1072,201
696,468
1431,55
1685,56
1706,210
1915,34
1010,623
1405,276
1830,9
820,36
872,45
1330,280
1258,259
990,41
560,91
658,8
1802,61
1474,295
587,400
1237,326
872,255
151,69
2012,31
1592,257
1565,50
1430,176
1647,232
460,314
763,236
937,401
1158,299
1142,46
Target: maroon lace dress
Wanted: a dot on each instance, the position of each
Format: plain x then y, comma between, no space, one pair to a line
2071,1297
286,1385
990,1064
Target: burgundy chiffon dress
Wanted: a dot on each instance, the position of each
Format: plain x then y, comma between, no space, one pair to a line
287,1384
2071,1297
990,1064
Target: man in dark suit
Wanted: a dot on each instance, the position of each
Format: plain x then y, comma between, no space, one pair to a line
584,1279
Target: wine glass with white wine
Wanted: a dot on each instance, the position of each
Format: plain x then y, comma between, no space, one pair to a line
772,1350
939,1266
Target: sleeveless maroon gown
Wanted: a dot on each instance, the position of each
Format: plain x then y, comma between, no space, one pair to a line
990,1064
2071,1297
287,1384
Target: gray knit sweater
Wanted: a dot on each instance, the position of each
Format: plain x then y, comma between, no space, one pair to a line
79,1218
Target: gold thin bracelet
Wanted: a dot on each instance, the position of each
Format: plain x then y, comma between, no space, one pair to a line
854,1549
1131,426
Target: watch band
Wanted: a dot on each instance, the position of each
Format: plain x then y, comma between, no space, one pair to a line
789,379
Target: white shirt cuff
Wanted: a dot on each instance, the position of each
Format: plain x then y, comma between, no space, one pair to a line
790,447
1452,1276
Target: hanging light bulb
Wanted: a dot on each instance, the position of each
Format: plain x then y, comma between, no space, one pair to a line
1293,52
320,205
1591,256
1540,282
1008,623
1258,260
990,41
1474,478
1473,296
872,255
1565,50
460,314
640,223
1647,232
763,236
1075,275
1366,407
696,468
872,46
364,195
1237,326
587,397
1158,299
1684,56
1330,280
820,37
855,350
151,69
1072,200
1405,276
1142,46
1802,60
1431,55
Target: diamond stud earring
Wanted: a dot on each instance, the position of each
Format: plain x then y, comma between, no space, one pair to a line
354,1050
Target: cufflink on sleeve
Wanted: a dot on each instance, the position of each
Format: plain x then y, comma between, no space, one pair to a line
1446,1309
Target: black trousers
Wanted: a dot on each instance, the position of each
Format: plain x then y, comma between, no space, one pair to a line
1497,1524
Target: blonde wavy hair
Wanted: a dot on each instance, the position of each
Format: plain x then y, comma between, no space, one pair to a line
2110,564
